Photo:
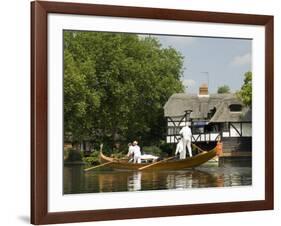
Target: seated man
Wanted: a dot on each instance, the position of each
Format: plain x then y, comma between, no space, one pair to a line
130,153
180,149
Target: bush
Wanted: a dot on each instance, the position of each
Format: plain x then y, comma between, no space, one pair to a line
168,149
153,150
74,155
107,149
117,155
93,159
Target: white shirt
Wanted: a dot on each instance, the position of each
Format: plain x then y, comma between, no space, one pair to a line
136,150
131,150
179,148
186,133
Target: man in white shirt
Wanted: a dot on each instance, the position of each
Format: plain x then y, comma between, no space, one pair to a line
137,152
186,139
180,149
130,152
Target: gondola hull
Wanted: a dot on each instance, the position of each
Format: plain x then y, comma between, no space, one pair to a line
164,165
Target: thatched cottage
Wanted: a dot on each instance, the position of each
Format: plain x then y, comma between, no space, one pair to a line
210,116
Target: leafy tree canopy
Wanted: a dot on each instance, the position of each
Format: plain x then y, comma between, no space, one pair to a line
245,94
223,89
115,86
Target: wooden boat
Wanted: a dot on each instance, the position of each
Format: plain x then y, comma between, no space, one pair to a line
192,162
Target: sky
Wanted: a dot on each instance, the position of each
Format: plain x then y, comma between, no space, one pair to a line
214,61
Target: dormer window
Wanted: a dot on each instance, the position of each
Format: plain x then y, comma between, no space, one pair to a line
235,107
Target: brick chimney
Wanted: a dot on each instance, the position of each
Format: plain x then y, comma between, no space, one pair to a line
203,90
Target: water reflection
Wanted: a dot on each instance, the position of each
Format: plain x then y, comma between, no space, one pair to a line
179,180
76,181
134,181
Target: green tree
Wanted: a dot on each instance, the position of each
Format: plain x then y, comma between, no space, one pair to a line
223,89
245,94
115,85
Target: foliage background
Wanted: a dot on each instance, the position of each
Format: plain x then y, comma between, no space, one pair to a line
115,87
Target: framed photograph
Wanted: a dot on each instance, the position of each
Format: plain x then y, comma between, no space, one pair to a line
148,112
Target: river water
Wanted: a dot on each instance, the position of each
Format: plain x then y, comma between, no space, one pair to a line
207,175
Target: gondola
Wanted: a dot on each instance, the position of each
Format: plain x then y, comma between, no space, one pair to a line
168,164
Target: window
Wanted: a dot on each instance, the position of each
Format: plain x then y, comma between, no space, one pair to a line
223,127
173,130
235,107
197,129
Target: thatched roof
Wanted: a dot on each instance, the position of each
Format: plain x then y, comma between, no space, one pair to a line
201,107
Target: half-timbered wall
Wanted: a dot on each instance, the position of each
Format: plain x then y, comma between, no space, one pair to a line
238,129
227,129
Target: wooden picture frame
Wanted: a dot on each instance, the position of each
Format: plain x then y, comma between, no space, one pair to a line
39,112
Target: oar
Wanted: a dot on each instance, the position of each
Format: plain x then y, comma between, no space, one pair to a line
94,167
155,163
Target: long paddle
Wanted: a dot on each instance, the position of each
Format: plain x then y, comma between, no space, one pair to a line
155,163
94,167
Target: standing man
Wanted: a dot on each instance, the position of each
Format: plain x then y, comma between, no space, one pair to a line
137,152
186,138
